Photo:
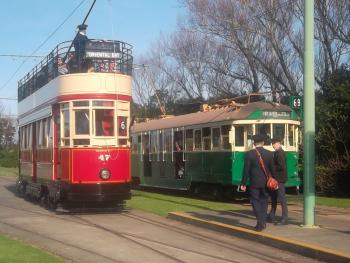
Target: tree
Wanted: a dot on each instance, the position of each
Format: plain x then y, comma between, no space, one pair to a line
332,137
7,133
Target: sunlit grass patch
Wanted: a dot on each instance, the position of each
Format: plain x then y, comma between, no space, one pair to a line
16,251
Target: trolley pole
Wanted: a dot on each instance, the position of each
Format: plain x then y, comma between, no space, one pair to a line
309,115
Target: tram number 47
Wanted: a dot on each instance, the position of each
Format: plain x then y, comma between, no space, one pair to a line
104,157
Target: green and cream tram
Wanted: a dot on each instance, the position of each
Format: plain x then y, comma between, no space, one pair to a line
206,150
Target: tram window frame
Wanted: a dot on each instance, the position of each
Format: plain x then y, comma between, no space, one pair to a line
225,137
206,139
189,144
197,140
216,144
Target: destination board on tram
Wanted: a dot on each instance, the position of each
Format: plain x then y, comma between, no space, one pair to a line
102,49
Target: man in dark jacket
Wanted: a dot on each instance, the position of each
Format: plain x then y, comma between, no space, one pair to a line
279,160
254,172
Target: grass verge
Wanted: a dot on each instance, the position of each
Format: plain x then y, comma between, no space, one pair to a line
4,171
16,251
162,204
333,201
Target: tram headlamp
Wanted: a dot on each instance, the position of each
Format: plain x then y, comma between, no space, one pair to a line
105,174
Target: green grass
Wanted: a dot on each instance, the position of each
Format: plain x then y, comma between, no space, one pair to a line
323,201
13,251
333,201
4,171
162,204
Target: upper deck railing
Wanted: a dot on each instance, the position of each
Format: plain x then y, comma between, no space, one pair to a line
107,56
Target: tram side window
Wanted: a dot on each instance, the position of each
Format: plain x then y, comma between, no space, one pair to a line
189,140
168,141
104,122
154,142
206,139
279,132
139,144
145,143
134,143
216,142
225,129
198,140
160,144
239,136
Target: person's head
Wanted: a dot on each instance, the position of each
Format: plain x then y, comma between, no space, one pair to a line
259,140
60,61
276,143
82,29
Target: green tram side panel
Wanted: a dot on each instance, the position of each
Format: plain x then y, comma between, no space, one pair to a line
136,168
224,168
158,172
209,167
292,168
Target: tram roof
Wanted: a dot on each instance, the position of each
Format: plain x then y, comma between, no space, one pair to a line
217,115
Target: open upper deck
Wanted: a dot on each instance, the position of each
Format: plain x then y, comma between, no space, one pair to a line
71,57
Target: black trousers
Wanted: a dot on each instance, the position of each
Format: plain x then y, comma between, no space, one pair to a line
258,199
279,196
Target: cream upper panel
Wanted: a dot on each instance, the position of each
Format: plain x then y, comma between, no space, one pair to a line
94,83
82,83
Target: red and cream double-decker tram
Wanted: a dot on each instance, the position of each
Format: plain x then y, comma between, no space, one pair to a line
73,115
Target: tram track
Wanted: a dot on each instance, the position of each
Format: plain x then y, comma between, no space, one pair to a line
90,217
78,219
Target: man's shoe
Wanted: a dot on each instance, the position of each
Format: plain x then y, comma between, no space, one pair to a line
259,227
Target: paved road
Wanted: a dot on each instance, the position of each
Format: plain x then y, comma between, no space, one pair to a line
124,236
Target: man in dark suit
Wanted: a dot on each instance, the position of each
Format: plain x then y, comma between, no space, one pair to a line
279,160
254,172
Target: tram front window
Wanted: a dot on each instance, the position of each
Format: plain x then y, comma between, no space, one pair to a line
104,122
264,129
82,122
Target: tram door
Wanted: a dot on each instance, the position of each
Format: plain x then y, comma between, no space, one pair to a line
179,154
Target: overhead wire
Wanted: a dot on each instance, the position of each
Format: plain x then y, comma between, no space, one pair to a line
42,44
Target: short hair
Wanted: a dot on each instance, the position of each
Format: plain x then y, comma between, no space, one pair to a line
259,138
275,140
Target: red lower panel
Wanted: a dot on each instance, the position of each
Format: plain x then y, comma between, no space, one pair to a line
86,165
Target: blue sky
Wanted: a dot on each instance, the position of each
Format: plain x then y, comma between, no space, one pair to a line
26,24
